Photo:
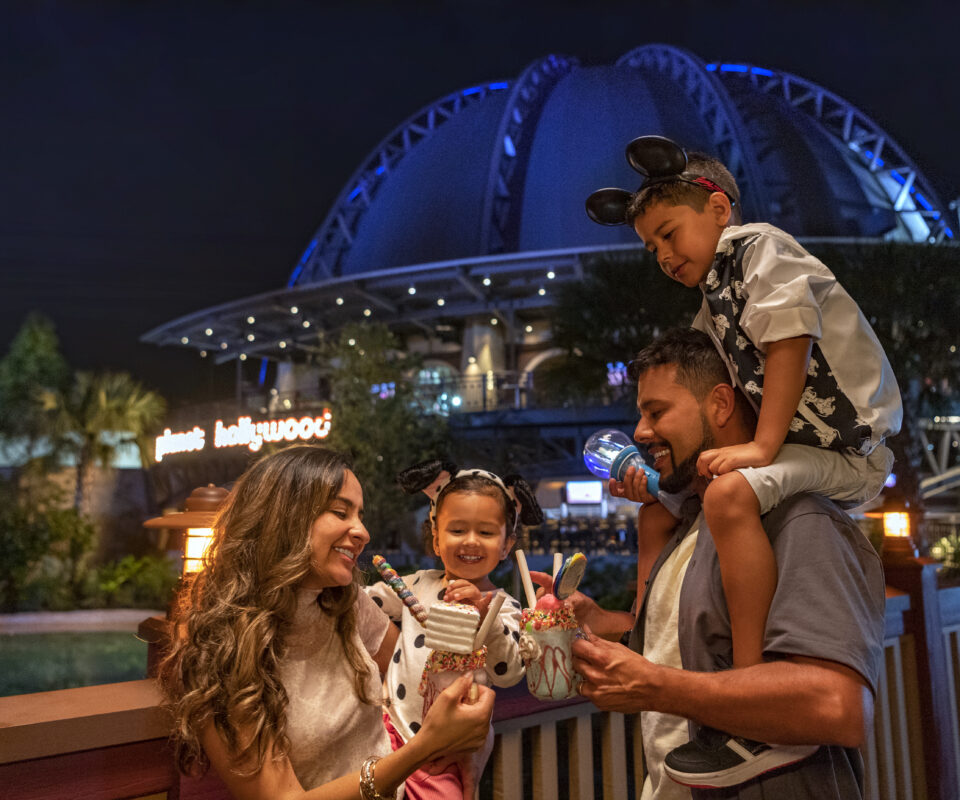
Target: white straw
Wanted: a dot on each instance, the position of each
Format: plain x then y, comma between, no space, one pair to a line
492,611
557,563
525,578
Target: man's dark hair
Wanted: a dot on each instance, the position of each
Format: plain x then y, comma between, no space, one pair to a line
699,365
683,193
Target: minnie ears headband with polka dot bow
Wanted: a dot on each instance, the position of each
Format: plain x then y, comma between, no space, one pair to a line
659,160
432,477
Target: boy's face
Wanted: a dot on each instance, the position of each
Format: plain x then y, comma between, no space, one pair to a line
683,240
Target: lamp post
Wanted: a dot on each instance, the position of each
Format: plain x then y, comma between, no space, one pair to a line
196,520
899,525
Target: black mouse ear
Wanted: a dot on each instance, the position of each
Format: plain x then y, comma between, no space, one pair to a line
530,512
609,206
656,156
424,476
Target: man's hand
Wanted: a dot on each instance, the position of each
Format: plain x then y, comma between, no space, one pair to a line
614,677
610,624
633,487
727,459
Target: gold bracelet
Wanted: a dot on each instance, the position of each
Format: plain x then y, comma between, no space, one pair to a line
368,791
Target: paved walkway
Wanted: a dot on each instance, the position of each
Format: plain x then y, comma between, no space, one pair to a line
101,619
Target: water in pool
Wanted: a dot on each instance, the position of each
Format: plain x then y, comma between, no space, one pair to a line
41,662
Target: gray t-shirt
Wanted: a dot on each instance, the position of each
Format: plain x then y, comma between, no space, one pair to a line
829,604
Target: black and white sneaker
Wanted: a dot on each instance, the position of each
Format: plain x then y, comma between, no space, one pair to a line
714,759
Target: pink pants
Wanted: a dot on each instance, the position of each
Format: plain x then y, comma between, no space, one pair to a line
423,786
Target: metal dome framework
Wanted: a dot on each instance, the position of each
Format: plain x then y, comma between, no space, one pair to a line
333,238
910,192
515,287
714,106
500,227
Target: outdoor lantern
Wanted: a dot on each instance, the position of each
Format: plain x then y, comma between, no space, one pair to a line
196,519
897,526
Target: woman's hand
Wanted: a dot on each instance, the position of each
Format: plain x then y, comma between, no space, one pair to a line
455,723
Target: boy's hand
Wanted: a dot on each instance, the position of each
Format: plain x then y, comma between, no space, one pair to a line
727,459
633,487
462,591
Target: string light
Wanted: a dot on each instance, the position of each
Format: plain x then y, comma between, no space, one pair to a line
223,345
494,320
529,329
551,275
203,354
440,301
250,337
243,356
367,312
251,320
486,280
282,344
412,290
339,301
351,342
294,309
541,291
209,331
306,323
184,340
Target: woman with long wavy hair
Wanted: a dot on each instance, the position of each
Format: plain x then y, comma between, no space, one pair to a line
273,674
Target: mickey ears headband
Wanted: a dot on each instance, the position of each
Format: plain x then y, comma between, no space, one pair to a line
432,477
659,160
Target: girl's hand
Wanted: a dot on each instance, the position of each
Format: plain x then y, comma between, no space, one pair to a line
461,591
455,724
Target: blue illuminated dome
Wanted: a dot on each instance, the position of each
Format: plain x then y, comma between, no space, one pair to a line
473,208
505,166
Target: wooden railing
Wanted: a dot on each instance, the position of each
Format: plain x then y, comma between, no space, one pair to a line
107,742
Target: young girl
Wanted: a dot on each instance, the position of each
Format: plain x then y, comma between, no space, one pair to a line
471,528
273,675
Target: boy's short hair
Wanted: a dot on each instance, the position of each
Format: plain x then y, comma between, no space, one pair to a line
683,193
699,365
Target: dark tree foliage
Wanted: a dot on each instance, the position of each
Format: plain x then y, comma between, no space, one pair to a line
910,293
32,369
623,302
379,421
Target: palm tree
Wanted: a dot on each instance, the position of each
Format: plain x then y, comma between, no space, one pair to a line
99,414
91,421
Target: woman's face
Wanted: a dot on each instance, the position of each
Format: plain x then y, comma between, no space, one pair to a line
337,537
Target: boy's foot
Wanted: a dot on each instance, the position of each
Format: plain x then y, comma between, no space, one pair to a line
714,759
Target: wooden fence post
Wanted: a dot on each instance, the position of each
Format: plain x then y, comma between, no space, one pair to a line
918,577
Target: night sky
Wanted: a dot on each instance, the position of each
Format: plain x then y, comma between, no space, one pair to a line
159,157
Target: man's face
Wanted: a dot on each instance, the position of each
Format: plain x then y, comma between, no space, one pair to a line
672,427
683,240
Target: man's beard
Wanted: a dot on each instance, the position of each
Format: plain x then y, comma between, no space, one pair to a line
685,472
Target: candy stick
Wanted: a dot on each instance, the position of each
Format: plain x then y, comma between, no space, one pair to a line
492,610
396,583
525,577
557,563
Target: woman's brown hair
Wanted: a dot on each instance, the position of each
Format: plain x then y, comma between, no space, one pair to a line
230,619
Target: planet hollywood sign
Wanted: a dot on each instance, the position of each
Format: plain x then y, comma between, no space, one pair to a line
245,432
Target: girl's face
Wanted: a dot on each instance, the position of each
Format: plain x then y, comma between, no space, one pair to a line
471,536
337,537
